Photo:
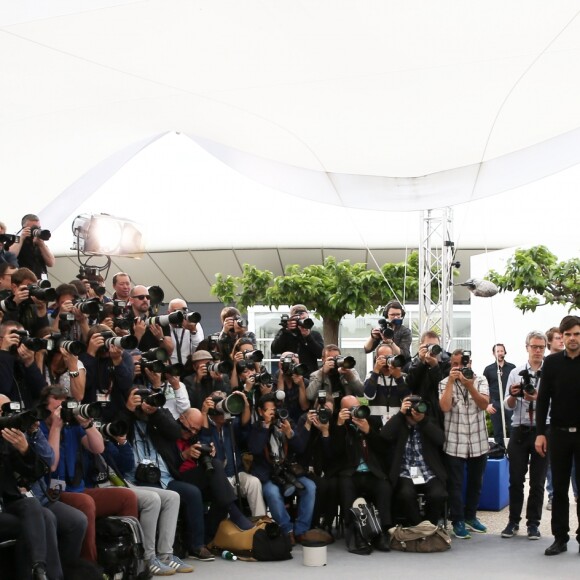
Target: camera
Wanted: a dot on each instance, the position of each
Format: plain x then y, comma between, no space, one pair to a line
397,361
66,317
44,293
240,322
176,317
56,341
193,317
263,377
528,382
418,405
97,288
307,323
15,418
223,367
154,359
233,405
31,343
281,414
70,409
36,232
126,342
89,306
113,429
360,412
289,367
283,477
345,362
174,370
8,240
205,459
434,349
386,328
153,399
465,360
255,356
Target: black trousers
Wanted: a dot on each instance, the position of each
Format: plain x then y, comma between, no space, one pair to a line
369,486
563,446
407,504
327,499
521,452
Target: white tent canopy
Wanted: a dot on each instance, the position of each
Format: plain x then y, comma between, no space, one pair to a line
380,104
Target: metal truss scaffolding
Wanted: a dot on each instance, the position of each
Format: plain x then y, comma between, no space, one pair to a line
435,273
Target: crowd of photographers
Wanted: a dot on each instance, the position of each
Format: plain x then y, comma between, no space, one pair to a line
110,408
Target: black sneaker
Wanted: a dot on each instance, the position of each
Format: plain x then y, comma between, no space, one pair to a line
510,530
202,554
534,533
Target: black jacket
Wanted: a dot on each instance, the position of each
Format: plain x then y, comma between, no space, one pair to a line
396,431
308,348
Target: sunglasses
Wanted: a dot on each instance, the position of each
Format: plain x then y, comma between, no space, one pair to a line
142,297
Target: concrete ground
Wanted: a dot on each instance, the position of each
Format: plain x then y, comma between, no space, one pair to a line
484,556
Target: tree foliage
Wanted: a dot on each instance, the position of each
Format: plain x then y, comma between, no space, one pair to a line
539,279
332,289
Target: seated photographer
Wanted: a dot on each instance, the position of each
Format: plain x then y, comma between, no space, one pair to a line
200,467
234,327
417,442
337,377
148,334
20,377
32,251
109,369
153,433
186,336
317,459
291,380
68,431
28,302
20,465
216,430
392,332
67,318
386,384
208,377
360,466
271,441
296,335
158,508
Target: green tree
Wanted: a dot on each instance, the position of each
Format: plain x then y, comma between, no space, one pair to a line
539,279
332,289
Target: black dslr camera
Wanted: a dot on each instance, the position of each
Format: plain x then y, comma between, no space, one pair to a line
289,367
285,479
324,415
528,382
417,404
465,370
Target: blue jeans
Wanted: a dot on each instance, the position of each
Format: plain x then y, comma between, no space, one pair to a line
275,503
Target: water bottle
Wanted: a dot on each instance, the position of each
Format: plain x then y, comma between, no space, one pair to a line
227,555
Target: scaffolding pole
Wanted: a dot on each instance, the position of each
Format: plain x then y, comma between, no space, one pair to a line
435,273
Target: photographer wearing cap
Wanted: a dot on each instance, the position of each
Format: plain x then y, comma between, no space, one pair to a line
417,442
207,377
296,335
391,331
386,384
464,397
337,376
521,396
31,250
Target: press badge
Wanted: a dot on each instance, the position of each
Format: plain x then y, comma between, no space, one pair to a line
102,398
59,484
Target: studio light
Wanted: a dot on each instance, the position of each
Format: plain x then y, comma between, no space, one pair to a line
105,235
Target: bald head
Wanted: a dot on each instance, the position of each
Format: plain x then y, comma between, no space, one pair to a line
176,304
4,399
348,402
192,419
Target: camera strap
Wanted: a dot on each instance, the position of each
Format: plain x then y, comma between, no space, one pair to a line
145,440
178,344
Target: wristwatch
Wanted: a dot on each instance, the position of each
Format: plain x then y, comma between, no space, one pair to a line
73,374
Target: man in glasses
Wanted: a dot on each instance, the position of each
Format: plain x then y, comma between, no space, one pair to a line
149,335
523,385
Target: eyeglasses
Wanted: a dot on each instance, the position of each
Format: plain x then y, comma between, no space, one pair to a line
536,347
142,297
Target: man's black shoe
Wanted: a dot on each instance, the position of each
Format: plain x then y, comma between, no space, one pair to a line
39,572
556,548
382,542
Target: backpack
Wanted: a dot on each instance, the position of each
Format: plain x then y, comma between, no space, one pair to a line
120,549
424,537
264,542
